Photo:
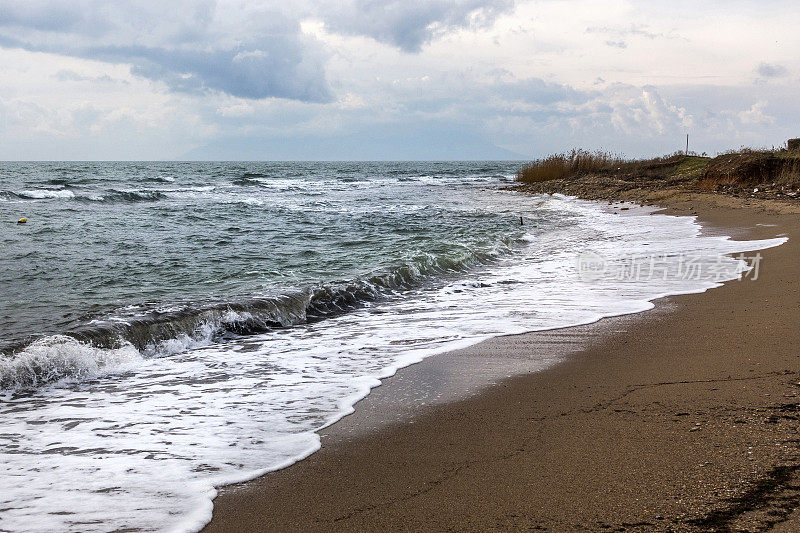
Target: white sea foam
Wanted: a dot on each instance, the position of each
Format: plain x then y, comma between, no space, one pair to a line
203,188
55,358
41,194
147,448
250,201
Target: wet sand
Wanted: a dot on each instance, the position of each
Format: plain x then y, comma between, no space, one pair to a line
685,417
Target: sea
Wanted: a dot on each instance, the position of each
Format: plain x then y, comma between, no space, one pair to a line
167,328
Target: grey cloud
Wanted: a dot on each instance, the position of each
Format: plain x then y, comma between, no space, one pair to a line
189,46
248,50
768,70
274,69
409,24
46,15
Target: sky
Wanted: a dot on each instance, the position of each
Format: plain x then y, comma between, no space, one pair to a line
393,79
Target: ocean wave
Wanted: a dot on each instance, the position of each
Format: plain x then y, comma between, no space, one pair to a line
142,195
130,196
257,175
58,181
199,188
253,178
101,345
110,195
281,183
42,194
60,357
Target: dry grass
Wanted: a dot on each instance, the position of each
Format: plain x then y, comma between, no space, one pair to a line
560,166
582,162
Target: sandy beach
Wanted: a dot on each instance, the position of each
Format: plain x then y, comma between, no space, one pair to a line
681,418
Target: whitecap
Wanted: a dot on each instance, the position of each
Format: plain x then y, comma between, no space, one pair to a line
59,357
41,194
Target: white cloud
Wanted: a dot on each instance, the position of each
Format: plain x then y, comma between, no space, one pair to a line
756,114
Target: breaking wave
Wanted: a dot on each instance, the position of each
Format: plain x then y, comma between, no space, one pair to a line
87,351
41,194
61,357
110,196
117,195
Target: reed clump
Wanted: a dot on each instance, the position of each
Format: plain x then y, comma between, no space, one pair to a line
566,165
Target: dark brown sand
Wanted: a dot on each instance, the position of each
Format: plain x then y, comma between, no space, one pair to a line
680,418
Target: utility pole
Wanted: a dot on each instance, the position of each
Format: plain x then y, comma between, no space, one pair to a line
687,144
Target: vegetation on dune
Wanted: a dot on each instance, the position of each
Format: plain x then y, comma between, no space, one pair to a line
583,162
691,167
752,167
742,168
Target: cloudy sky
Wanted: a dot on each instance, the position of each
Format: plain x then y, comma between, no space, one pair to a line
305,79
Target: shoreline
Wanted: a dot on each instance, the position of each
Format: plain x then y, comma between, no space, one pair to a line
550,449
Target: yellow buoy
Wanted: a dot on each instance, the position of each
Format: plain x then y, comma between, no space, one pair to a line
22,221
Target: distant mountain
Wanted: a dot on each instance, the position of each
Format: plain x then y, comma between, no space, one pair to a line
422,144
